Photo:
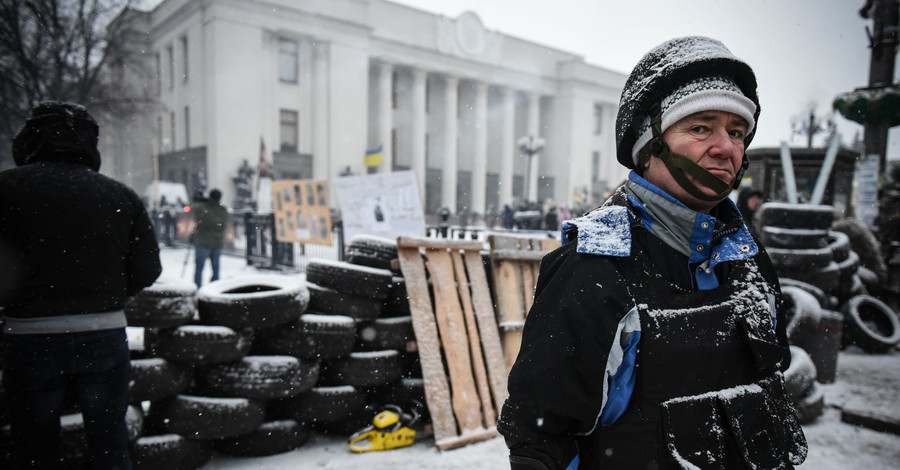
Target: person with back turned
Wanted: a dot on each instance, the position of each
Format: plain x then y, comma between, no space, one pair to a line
76,244
657,334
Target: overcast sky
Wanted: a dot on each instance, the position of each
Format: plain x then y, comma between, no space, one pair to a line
804,52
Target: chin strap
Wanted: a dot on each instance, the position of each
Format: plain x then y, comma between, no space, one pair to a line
679,166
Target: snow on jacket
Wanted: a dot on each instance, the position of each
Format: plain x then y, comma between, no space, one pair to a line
73,242
576,372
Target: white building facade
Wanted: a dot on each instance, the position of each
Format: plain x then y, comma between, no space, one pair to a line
319,83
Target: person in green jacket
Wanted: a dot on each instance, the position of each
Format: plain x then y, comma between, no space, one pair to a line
209,235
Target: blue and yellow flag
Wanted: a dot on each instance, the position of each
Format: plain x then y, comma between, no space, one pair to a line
373,157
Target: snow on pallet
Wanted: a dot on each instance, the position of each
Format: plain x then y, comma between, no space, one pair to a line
464,408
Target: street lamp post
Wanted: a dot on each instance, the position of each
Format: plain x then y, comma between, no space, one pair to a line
531,145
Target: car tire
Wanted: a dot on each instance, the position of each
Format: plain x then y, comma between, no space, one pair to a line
201,344
372,251
349,278
794,258
870,324
778,237
253,302
260,377
156,378
311,336
331,302
795,216
364,369
320,405
810,406
198,417
270,438
800,375
170,452
385,333
167,303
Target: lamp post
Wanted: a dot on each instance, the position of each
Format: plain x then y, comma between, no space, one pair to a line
531,145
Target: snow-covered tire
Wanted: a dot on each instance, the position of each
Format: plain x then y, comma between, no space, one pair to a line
777,237
870,324
364,369
197,417
350,278
797,258
320,404
259,301
156,378
170,452
386,333
331,302
270,438
201,344
167,303
795,216
355,421
261,377
73,438
839,243
311,336
819,294
372,251
800,375
801,308
826,278
397,302
811,405
848,281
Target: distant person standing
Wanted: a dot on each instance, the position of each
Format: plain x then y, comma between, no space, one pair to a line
748,202
209,234
75,244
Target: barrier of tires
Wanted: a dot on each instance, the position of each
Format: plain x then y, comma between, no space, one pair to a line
871,324
167,303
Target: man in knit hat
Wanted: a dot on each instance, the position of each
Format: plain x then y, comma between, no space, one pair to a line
657,334
74,245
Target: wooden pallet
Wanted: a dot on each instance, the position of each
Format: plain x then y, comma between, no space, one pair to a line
515,262
457,338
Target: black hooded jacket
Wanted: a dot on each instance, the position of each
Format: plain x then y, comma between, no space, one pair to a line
72,241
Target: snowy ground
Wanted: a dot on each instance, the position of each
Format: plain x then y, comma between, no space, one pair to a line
833,445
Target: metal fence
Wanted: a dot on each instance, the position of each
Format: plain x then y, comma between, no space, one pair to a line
264,251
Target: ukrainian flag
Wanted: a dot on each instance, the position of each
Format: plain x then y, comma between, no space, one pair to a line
374,157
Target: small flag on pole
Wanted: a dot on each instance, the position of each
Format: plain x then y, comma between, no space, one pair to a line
374,157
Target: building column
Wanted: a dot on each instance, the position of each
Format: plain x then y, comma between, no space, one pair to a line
320,145
534,110
479,161
507,147
386,115
418,129
449,180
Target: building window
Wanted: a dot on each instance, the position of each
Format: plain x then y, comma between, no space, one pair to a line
172,129
158,76
170,63
187,127
289,129
184,57
595,166
394,78
598,119
288,60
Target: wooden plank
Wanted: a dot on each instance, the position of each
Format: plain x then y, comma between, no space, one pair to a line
487,327
517,254
484,391
439,244
453,443
451,326
435,381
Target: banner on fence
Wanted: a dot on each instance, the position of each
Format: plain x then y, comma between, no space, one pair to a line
381,204
301,211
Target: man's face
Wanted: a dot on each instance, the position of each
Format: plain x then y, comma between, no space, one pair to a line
711,139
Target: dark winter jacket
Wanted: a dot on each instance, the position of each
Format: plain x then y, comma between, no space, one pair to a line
73,242
600,319
211,219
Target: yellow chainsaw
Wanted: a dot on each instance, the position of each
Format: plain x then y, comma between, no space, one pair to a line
390,429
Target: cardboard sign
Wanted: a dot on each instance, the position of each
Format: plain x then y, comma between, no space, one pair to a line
382,204
301,211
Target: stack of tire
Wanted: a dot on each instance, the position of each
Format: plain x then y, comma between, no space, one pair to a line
379,364
825,289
